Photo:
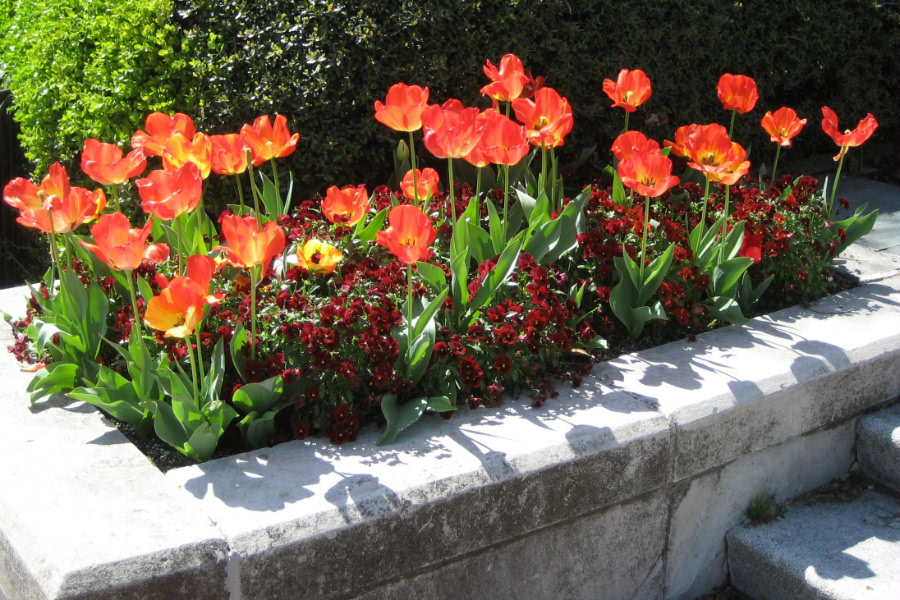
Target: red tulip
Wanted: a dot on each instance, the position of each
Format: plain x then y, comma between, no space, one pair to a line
229,156
54,206
451,131
409,235
734,168
347,205
169,194
648,173
104,163
181,150
630,90
268,141
160,127
249,246
548,119
504,142
681,137
751,247
508,81
633,141
403,108
122,247
848,139
783,125
737,92
427,180
709,149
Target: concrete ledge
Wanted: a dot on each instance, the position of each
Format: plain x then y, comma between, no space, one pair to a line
878,446
618,489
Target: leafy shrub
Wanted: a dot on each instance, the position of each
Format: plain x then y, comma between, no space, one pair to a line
81,69
324,64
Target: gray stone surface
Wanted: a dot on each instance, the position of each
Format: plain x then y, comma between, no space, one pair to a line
706,506
613,554
825,551
83,513
878,446
875,194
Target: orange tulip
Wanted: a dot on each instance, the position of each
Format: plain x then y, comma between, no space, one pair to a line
160,127
737,92
630,90
508,81
54,206
849,139
709,149
200,270
734,168
347,205
633,141
249,246
268,141
548,118
177,310
783,125
504,142
181,150
104,163
451,131
403,108
409,234
124,248
228,154
427,180
318,257
648,173
169,194
681,137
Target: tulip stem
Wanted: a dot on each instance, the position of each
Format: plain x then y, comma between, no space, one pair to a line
275,181
253,189
554,165
190,349
627,114
644,236
834,187
725,222
178,242
731,129
115,195
409,313
544,174
129,275
199,355
452,193
478,193
775,166
505,203
54,254
253,281
69,251
237,179
412,161
703,211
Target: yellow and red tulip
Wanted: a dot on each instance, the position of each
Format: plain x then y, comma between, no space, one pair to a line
159,128
54,206
409,234
104,163
347,205
268,140
122,247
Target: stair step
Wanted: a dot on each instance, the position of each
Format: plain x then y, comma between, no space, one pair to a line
845,551
878,446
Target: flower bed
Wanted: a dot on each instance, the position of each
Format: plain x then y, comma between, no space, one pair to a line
323,315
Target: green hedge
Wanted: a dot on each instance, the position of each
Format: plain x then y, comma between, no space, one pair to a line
81,69
323,64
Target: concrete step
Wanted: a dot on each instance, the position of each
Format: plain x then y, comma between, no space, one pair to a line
878,446
833,551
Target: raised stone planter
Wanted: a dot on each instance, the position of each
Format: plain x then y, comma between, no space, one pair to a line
623,488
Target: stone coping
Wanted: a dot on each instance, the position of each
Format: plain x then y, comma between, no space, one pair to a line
83,514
